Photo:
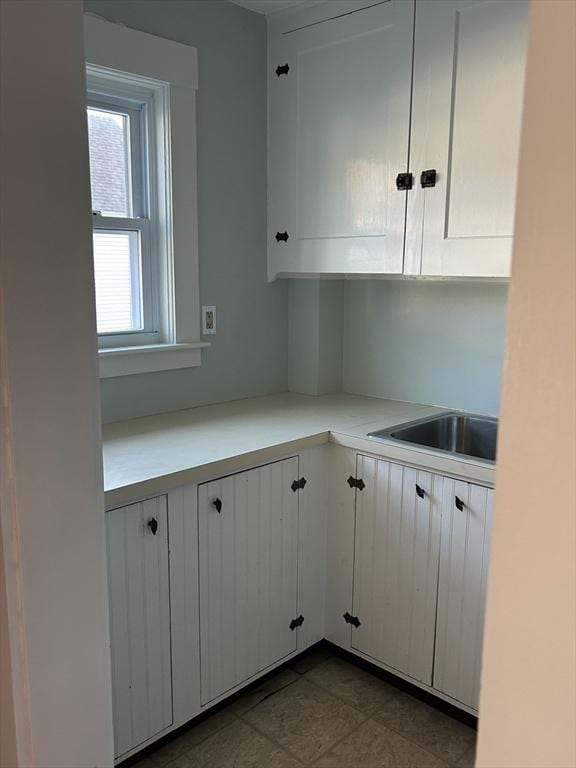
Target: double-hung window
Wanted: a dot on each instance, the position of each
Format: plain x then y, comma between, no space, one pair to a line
141,114
126,269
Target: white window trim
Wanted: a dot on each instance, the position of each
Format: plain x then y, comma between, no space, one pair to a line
174,67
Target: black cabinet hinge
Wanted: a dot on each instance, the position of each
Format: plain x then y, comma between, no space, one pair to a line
297,485
354,482
296,622
404,181
282,237
282,69
349,619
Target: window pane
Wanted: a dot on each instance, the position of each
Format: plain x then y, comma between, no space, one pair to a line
118,281
108,135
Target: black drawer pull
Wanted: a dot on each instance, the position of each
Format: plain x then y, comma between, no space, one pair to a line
459,503
420,491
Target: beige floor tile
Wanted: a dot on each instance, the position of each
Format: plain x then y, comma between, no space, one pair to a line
436,732
311,659
353,685
239,746
250,700
468,760
195,735
375,746
304,719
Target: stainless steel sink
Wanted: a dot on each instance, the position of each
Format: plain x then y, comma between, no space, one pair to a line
460,434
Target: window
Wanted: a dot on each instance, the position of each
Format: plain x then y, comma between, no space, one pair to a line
141,113
121,143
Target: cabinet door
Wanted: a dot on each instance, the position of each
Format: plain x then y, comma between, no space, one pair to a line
338,136
139,599
469,60
466,520
396,565
247,538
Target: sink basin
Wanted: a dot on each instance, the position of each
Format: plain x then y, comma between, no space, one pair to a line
460,434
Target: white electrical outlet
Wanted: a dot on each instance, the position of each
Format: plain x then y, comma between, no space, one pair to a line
208,320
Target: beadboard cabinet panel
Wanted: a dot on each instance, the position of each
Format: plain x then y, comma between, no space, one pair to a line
248,574
339,97
469,62
340,546
466,524
397,546
139,597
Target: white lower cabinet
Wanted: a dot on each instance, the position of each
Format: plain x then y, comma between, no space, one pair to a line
248,574
465,543
396,552
139,598
217,582
407,562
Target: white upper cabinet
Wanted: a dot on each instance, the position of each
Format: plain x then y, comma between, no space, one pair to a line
339,96
347,114
469,58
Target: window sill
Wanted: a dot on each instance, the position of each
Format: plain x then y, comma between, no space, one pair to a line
123,361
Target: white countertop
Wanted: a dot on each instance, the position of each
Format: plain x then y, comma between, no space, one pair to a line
155,453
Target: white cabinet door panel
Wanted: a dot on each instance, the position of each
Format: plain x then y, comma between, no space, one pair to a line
339,133
396,565
248,572
469,60
462,589
139,622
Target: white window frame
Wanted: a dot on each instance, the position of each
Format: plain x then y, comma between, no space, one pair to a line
163,74
113,91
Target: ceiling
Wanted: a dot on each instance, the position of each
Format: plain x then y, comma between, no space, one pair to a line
268,6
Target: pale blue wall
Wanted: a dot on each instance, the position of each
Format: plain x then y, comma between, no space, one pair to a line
249,352
437,343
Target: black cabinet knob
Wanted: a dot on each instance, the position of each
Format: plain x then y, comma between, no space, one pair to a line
428,178
153,525
218,504
420,491
459,503
404,181
282,237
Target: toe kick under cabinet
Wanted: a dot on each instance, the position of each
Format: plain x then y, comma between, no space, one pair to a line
217,582
407,564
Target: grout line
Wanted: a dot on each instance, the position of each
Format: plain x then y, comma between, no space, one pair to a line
272,740
394,695
339,741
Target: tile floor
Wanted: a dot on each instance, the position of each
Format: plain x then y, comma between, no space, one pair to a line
322,711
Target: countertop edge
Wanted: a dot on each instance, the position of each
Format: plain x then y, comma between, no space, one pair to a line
157,486
420,458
